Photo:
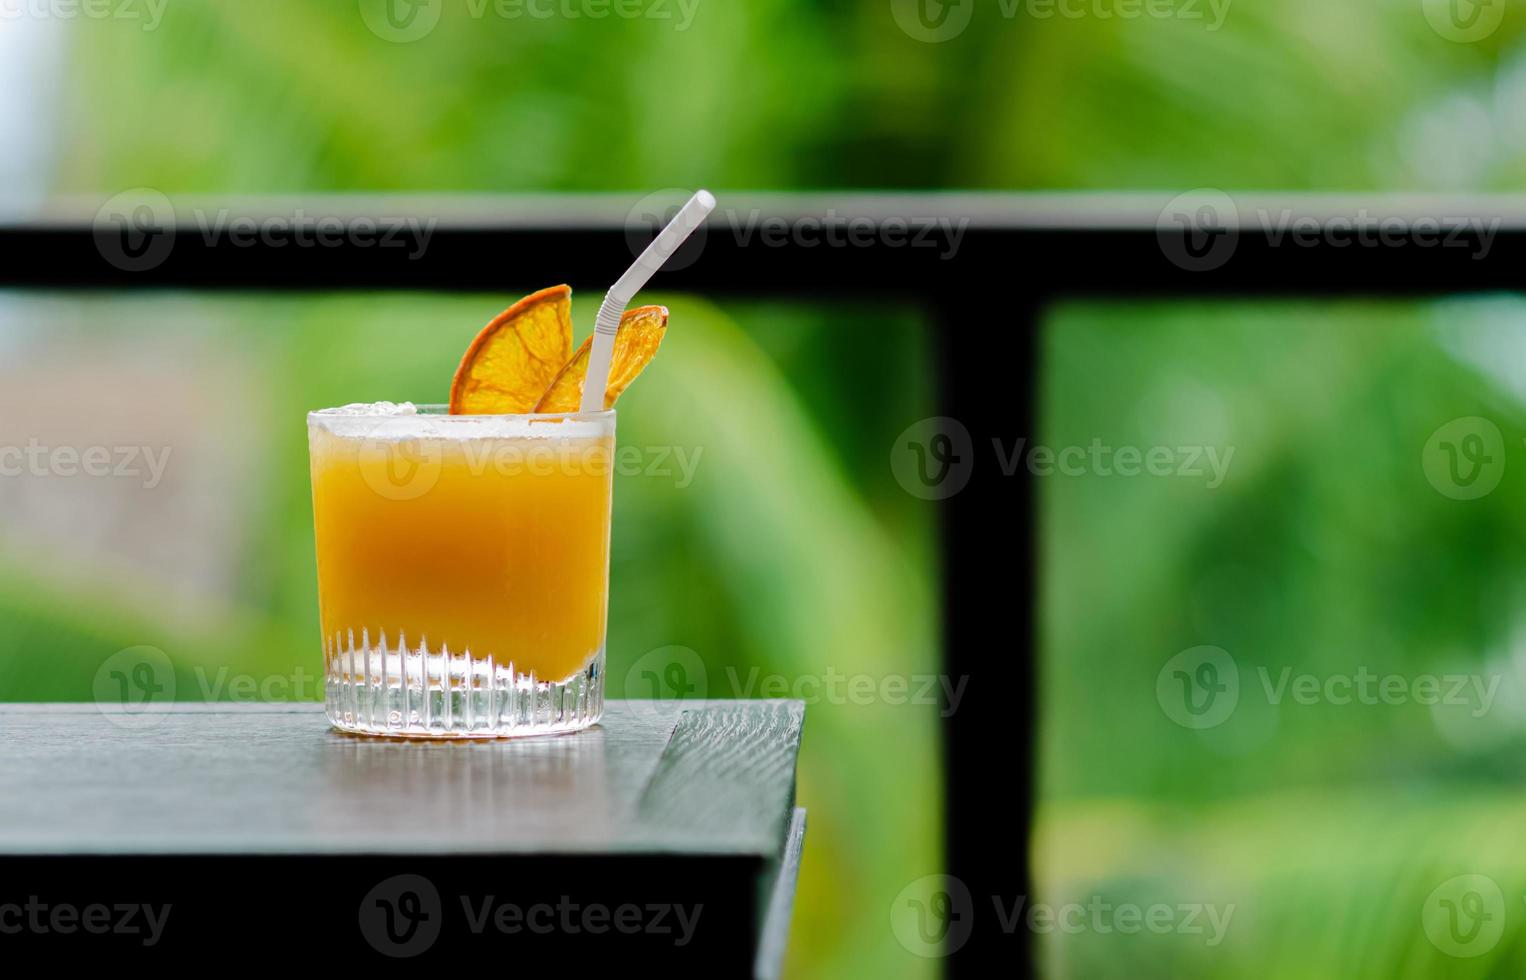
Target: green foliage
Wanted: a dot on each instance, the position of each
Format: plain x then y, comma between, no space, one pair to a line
1325,552
780,94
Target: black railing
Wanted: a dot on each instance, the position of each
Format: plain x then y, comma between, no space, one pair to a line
984,294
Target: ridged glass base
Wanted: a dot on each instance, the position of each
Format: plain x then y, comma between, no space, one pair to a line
377,689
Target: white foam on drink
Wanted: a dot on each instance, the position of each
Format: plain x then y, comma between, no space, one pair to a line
369,409
396,421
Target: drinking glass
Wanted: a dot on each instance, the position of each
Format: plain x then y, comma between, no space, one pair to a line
463,569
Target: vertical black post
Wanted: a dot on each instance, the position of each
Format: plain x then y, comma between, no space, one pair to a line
988,373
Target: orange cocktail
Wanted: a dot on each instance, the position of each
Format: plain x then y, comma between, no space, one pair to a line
463,550
463,568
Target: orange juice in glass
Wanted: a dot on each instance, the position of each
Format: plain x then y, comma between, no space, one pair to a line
463,550
463,568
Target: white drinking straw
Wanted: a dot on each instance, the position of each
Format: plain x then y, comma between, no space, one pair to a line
689,217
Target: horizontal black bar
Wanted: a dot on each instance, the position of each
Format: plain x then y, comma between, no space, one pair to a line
677,915
994,263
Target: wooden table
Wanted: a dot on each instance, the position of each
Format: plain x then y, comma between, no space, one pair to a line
665,838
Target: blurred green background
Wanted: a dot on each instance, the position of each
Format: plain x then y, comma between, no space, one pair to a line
1328,823
793,550
283,96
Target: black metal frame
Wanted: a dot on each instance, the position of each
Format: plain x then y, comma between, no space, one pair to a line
1017,257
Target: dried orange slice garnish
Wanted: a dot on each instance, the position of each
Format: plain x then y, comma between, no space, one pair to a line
636,343
516,356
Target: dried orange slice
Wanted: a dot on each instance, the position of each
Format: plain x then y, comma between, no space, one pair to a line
636,343
516,356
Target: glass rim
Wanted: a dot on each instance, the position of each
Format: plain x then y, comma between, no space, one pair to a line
440,413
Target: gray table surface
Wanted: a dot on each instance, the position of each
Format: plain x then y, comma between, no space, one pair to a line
653,777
